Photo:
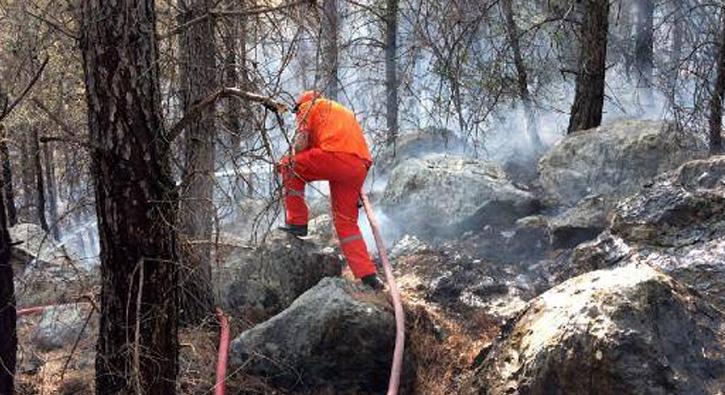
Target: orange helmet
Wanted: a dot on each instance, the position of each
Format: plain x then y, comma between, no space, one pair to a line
307,96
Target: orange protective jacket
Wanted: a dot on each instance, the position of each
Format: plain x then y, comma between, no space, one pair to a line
332,127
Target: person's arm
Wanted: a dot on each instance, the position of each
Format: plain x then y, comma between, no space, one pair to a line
302,140
302,136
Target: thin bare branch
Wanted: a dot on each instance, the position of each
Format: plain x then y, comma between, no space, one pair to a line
203,104
27,89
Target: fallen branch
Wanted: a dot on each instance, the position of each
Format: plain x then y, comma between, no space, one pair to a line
200,106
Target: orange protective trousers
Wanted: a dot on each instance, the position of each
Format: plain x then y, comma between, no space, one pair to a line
346,174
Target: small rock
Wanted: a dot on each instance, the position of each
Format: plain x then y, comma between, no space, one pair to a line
58,327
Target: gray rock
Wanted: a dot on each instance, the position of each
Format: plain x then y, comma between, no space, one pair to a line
46,272
335,337
580,223
323,229
613,160
677,224
58,327
677,210
603,252
267,279
627,330
418,144
448,195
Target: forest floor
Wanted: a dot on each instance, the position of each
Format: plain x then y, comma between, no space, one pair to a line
440,343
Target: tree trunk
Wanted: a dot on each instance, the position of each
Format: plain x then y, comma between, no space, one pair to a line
197,187
136,204
644,49
717,94
7,179
238,114
512,31
676,50
8,319
329,36
586,111
39,180
391,72
27,209
52,189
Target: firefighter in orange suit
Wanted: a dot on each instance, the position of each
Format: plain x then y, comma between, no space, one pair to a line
329,145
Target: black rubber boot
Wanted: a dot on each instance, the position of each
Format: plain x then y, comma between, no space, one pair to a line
296,230
373,282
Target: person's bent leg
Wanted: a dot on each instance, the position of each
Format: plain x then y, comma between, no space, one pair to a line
296,209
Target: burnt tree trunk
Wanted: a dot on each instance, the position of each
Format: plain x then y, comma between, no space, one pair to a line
197,187
678,26
51,189
391,70
717,94
7,179
39,183
586,111
330,52
27,209
8,319
522,84
644,49
238,114
136,204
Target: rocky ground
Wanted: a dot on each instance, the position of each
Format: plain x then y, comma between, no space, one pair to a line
601,274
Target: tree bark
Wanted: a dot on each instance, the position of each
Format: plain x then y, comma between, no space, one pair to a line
27,209
512,31
136,203
586,111
197,207
7,180
52,189
717,94
329,77
238,114
39,181
391,70
8,319
644,42
675,50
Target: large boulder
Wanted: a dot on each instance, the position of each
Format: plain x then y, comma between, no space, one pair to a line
265,280
418,144
336,337
47,272
627,330
677,210
462,284
676,224
445,195
613,160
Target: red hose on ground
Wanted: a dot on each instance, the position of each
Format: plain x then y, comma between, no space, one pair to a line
221,365
394,382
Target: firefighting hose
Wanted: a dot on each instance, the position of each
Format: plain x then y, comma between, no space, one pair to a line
395,370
